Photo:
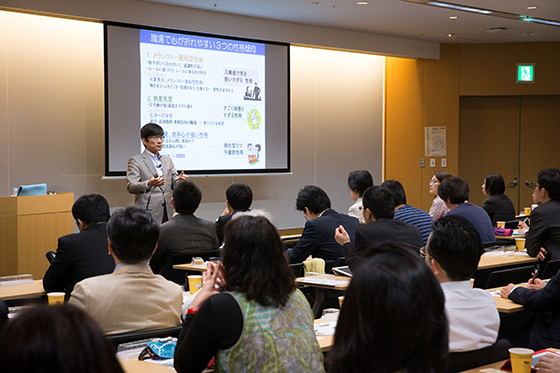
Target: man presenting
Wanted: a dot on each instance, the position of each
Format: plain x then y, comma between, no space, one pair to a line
84,254
131,298
151,176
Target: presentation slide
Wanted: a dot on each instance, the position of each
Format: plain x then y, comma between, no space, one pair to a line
209,96
222,102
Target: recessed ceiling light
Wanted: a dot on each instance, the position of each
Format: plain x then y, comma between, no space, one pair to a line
532,7
453,17
450,35
362,3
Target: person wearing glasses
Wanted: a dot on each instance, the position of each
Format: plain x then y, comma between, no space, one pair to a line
453,253
543,239
151,176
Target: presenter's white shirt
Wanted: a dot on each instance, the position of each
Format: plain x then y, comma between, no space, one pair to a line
472,316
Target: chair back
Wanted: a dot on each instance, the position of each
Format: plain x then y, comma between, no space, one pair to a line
509,276
177,275
117,339
460,361
550,269
298,269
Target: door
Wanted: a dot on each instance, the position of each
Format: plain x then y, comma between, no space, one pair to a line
489,143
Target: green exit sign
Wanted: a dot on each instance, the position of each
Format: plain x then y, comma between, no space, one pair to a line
525,73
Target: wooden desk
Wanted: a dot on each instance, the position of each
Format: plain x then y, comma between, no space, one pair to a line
320,292
138,366
495,261
190,267
506,305
22,291
498,365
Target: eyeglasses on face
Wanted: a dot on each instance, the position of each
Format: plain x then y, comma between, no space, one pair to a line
424,253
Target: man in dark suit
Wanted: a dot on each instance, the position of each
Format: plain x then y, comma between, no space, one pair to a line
379,209
84,254
544,299
151,176
543,238
184,232
317,238
239,197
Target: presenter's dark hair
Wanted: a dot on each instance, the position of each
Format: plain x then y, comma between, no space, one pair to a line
151,129
441,175
379,200
397,190
455,189
254,261
314,198
91,209
133,234
186,197
61,339
494,183
239,196
549,179
359,181
393,317
456,245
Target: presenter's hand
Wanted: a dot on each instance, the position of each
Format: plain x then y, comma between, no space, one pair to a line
212,279
504,293
156,182
341,236
183,176
542,254
536,284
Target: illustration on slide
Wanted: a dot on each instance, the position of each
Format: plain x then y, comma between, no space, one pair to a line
253,158
254,95
254,119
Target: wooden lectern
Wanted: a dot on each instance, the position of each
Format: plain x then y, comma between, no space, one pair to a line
29,227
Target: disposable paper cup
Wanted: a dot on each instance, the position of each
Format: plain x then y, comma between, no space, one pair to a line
520,243
195,283
527,211
55,298
501,224
340,301
521,359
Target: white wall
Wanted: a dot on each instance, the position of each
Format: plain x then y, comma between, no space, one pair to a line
52,119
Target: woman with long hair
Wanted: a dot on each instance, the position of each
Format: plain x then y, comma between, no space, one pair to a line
257,320
498,206
393,317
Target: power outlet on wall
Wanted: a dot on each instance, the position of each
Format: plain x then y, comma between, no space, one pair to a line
444,162
432,162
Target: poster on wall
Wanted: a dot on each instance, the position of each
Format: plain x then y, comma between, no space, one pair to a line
436,142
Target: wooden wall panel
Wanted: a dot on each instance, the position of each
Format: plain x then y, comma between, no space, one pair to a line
403,125
490,69
441,108
545,56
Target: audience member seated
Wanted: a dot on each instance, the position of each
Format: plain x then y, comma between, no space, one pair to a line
543,239
258,320
393,317
82,255
438,208
131,298
544,299
498,206
184,232
454,191
239,197
61,339
317,238
358,182
411,215
379,209
453,253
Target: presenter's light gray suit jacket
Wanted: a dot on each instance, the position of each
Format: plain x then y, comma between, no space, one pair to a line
130,299
141,169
